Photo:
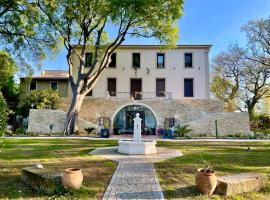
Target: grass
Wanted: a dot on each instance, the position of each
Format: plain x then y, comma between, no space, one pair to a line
54,154
177,175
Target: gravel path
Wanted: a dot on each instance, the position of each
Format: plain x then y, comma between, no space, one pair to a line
135,176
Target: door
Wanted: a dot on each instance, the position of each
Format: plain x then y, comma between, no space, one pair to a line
160,87
130,115
136,88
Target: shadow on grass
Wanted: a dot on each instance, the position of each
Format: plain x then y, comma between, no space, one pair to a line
183,192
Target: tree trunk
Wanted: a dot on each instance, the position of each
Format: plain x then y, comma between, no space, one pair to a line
71,125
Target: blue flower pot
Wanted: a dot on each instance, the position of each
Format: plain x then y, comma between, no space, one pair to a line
168,134
105,133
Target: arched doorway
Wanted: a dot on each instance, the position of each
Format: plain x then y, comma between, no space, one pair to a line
123,120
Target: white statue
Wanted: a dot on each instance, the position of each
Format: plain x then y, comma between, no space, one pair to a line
137,128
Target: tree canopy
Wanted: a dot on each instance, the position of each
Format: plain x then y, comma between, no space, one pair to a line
7,68
24,33
244,71
83,26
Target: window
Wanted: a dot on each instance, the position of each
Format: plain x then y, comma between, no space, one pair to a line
112,86
136,60
90,93
54,86
33,85
188,59
188,87
113,60
160,60
160,87
88,59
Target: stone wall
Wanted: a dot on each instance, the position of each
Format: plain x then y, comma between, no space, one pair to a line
40,121
199,114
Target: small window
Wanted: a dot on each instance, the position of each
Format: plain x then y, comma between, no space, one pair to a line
89,93
160,60
160,87
33,85
112,86
54,86
188,59
88,59
188,87
136,60
113,61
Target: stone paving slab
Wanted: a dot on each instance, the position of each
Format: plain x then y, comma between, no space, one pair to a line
135,176
240,183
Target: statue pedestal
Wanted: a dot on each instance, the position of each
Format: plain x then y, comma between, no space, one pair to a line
137,148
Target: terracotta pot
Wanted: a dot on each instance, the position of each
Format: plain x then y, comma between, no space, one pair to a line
206,182
72,178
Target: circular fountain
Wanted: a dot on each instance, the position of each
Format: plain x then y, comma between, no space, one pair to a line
137,146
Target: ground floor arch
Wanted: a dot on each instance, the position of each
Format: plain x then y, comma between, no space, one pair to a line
123,119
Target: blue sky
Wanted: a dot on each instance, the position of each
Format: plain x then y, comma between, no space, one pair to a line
216,22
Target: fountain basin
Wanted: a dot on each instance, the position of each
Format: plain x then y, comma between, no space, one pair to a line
137,148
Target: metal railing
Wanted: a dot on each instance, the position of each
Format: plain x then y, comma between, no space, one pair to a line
139,95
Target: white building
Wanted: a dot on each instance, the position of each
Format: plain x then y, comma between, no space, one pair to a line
147,72
166,87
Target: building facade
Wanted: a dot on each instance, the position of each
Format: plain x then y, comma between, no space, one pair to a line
166,87
146,71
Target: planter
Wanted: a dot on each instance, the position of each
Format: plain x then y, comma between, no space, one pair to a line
168,134
72,178
105,133
206,182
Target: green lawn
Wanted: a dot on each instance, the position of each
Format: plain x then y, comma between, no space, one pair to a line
54,154
176,176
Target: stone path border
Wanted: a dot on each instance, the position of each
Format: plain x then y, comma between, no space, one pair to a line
158,139
135,176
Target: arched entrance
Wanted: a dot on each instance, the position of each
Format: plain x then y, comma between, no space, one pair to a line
123,120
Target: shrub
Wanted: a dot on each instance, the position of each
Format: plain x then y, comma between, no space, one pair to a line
39,99
260,122
181,131
160,131
20,131
3,115
89,130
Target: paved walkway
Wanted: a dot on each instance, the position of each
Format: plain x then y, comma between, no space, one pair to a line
158,139
135,176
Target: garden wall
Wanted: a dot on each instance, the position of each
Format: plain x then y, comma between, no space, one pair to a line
40,121
199,114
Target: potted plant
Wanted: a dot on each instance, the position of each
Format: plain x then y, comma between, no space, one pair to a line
160,131
168,133
105,131
205,178
72,178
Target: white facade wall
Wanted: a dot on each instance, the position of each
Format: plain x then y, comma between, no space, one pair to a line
174,71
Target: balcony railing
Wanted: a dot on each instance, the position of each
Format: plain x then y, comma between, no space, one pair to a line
139,95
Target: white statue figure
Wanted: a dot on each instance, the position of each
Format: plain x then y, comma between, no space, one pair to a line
137,128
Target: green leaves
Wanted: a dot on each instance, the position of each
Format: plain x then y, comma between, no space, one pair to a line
40,99
3,116
7,68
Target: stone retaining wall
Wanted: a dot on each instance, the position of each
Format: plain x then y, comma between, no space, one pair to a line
40,121
199,114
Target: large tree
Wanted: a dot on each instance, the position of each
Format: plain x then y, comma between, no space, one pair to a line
227,75
245,71
257,54
83,26
24,33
